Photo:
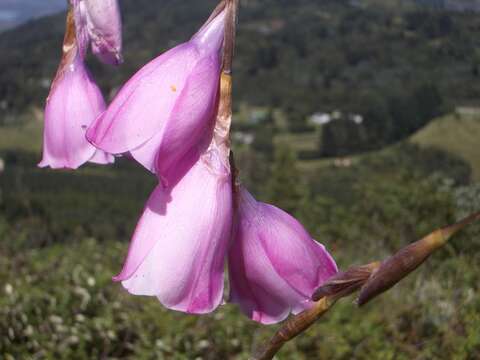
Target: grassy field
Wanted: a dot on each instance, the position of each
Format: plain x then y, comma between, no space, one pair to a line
300,142
26,137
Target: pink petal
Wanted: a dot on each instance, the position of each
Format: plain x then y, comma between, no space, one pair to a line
167,108
178,249
102,158
146,154
210,36
81,33
104,28
192,115
145,102
274,264
74,102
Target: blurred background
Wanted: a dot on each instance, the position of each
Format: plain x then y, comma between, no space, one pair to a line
361,118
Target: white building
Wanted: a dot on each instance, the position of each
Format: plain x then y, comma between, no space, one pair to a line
320,119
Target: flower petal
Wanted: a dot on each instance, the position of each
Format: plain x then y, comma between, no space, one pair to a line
192,116
74,102
274,263
104,28
144,103
166,109
102,158
210,36
178,248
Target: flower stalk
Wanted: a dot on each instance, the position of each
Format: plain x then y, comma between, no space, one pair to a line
295,326
230,35
224,116
69,47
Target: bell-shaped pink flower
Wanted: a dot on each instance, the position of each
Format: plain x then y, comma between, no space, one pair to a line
104,27
178,249
73,103
164,110
274,264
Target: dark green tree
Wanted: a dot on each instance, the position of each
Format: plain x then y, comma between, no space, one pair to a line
343,137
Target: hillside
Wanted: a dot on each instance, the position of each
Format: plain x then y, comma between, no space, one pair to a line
458,134
308,56
64,235
455,134
14,12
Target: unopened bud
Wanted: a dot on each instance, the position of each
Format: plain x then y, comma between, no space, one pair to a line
346,283
398,266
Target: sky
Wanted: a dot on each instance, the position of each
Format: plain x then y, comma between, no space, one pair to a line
15,12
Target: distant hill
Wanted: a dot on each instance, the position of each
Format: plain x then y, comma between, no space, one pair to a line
458,134
449,5
15,12
299,56
454,5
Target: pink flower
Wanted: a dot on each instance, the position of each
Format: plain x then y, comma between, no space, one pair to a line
104,27
178,249
274,264
167,107
73,103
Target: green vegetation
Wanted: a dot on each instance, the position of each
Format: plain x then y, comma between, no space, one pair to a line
59,305
300,142
395,65
26,136
63,234
456,134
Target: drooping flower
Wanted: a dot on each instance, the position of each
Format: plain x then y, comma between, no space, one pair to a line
163,117
274,264
104,27
178,249
164,110
73,103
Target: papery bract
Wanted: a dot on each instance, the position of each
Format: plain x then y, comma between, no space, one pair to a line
274,264
104,29
164,110
73,103
178,249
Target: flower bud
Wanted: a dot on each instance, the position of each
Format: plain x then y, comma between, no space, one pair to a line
398,266
346,283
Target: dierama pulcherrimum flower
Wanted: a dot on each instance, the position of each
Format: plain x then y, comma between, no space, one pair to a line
104,27
274,264
178,249
73,103
165,109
